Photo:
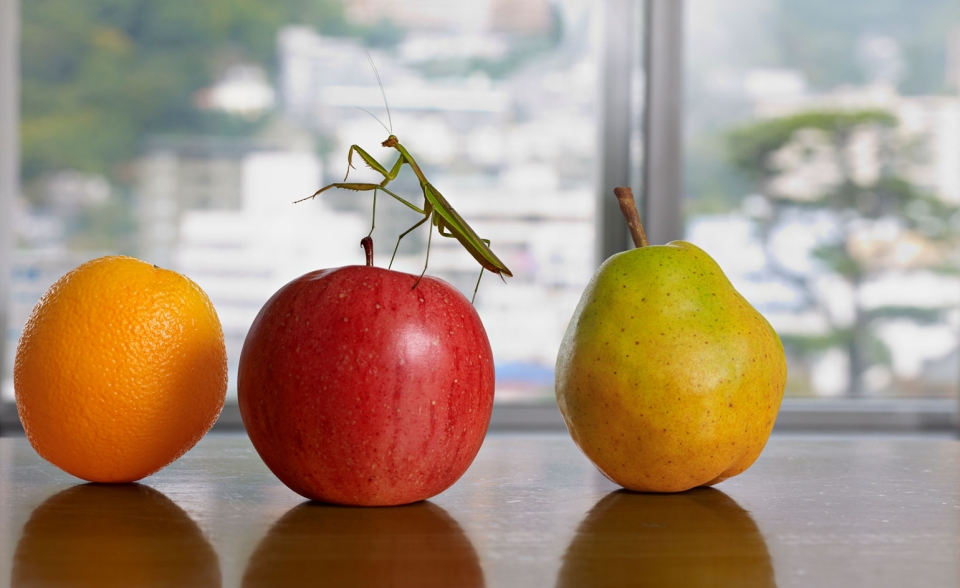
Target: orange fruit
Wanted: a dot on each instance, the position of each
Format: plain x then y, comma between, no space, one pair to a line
121,368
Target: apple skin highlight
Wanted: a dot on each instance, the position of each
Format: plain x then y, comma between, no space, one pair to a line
358,388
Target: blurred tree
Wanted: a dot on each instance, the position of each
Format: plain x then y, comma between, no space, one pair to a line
99,75
851,166
821,38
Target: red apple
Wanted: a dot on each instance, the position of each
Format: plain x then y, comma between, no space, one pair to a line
358,388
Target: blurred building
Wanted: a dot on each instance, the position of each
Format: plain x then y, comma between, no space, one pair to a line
514,155
487,16
222,213
513,152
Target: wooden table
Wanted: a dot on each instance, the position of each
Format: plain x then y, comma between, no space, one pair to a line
531,511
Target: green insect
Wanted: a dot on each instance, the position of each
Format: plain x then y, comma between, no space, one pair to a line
436,208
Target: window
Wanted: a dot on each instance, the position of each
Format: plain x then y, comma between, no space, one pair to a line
819,164
171,132
822,169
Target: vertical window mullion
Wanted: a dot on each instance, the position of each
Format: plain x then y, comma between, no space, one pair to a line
9,157
619,43
662,200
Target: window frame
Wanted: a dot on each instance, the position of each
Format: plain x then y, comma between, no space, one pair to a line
9,175
658,171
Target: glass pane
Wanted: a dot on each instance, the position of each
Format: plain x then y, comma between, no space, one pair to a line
181,133
823,172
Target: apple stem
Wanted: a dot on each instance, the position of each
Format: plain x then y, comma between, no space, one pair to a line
629,209
367,244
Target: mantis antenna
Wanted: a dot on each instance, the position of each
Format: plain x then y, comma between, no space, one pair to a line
375,118
436,208
382,92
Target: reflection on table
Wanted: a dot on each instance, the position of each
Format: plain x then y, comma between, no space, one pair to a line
413,545
697,538
531,512
101,535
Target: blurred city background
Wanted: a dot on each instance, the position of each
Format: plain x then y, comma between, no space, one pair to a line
822,162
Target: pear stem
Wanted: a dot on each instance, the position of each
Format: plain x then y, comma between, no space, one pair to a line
629,209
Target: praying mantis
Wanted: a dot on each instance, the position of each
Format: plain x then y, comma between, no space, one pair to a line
436,208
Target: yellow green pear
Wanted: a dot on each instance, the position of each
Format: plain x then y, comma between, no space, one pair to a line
667,377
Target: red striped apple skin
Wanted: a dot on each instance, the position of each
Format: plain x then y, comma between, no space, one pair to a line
358,388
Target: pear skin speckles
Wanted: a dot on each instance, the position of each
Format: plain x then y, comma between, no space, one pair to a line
667,378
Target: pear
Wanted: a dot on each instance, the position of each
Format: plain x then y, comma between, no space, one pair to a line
667,377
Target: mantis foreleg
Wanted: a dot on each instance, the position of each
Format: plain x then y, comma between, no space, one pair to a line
435,208
362,187
388,176
368,159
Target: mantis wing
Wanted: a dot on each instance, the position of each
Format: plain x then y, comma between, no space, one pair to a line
464,233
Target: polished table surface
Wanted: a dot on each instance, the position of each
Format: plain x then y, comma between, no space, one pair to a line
531,511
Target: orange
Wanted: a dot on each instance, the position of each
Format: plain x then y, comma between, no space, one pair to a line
121,368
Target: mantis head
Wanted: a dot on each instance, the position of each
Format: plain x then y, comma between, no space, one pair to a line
391,141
